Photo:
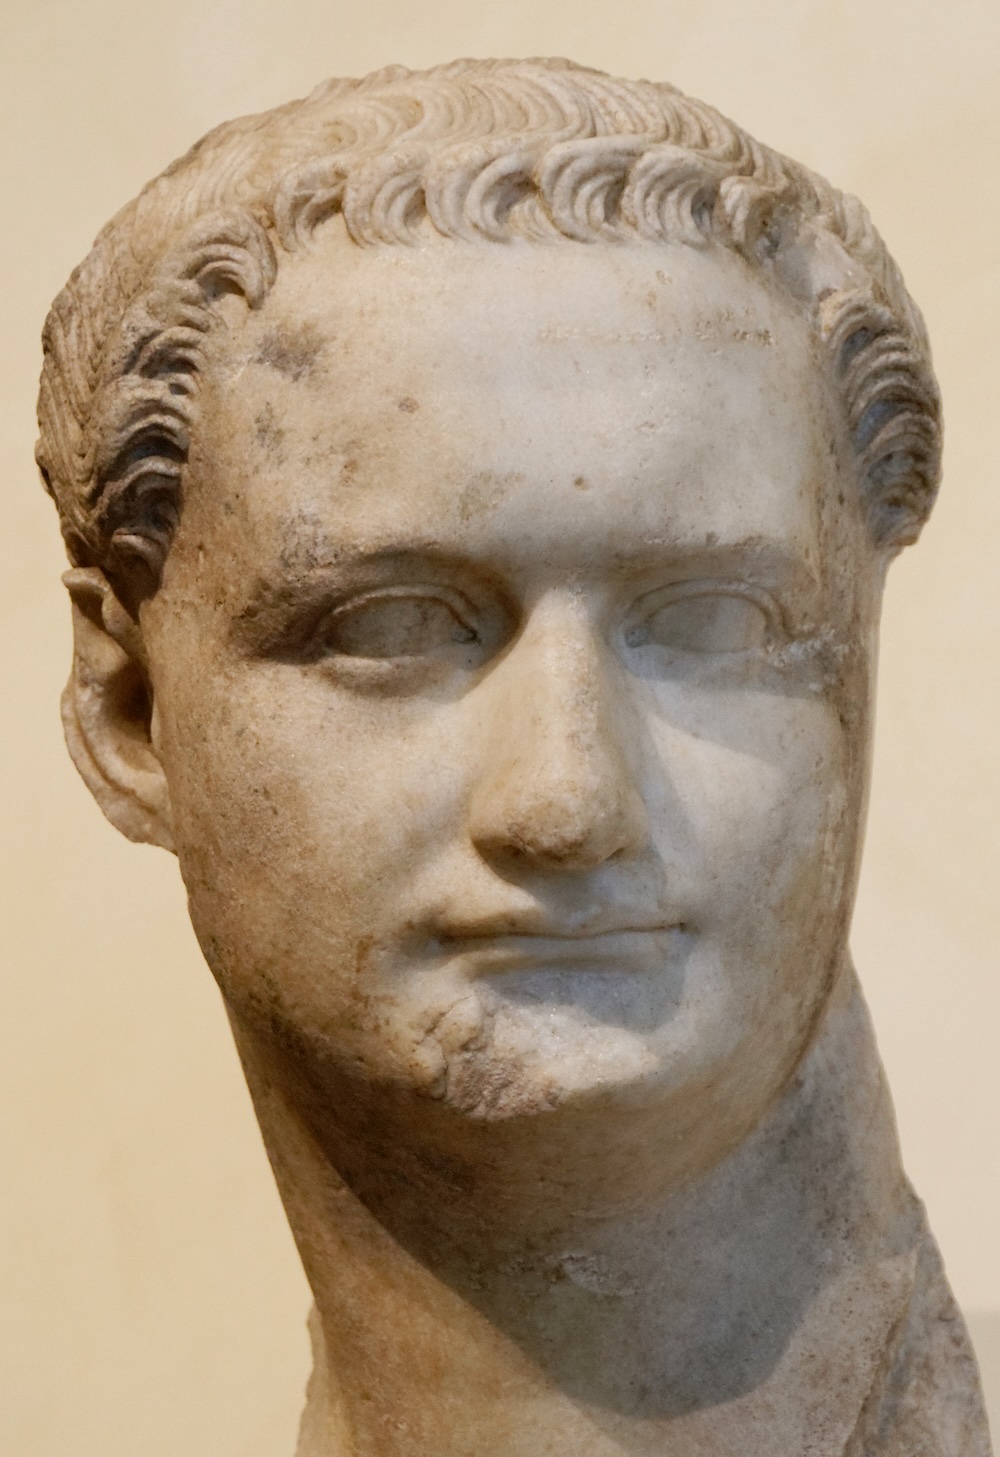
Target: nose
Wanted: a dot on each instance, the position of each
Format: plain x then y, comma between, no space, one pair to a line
558,793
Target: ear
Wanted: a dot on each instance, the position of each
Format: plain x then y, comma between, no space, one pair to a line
107,712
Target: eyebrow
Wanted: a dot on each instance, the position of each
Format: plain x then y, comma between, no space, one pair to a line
768,561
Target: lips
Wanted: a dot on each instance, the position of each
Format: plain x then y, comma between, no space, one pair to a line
621,945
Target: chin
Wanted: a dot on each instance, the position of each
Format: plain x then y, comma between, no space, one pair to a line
522,1050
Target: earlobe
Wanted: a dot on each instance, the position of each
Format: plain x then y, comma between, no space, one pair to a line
107,712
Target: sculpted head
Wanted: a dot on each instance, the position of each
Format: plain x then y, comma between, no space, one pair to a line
479,486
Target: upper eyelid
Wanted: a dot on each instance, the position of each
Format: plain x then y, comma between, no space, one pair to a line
686,587
433,592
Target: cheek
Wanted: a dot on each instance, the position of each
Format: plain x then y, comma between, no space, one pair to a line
766,828
762,792
300,816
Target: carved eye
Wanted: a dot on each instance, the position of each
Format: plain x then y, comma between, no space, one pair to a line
395,625
704,622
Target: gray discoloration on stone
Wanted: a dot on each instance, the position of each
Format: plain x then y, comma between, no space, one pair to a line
291,354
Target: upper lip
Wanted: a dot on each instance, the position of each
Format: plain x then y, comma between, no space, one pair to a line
544,927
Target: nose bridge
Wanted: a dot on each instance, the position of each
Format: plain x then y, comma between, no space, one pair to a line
558,789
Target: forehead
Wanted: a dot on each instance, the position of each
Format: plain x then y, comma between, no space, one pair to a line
641,392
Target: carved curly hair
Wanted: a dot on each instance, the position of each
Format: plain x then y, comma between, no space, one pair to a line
479,151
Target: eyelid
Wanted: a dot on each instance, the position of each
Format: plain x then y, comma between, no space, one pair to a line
385,646
457,601
689,587
294,631
373,650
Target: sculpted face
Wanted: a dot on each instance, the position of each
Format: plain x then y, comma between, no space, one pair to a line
507,669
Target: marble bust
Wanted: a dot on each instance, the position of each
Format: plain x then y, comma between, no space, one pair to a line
479,486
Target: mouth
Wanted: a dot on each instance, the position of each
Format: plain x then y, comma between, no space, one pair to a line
624,947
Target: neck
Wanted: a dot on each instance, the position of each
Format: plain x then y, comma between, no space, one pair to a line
450,1319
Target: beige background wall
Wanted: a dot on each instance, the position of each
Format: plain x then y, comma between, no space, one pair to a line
151,1298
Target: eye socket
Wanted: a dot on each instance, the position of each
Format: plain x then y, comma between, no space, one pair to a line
394,625
710,621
